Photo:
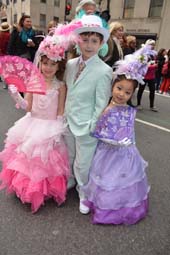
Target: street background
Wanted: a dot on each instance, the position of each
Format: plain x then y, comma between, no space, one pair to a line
63,230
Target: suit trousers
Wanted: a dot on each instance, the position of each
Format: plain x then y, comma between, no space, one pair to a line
81,150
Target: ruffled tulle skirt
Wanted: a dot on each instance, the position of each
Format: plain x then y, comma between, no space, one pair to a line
117,191
35,161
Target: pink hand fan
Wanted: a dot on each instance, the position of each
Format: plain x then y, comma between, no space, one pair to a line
23,74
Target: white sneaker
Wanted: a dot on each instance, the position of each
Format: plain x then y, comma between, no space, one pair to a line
83,208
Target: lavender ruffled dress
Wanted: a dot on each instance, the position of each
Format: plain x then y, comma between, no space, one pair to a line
117,190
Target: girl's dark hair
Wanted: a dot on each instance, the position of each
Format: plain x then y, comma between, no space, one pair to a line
135,85
61,67
93,33
160,52
21,21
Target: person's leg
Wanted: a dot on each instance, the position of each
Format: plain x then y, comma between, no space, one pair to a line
70,143
151,85
167,85
162,86
158,81
85,149
140,93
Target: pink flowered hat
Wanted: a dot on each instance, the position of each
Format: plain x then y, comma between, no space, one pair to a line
54,46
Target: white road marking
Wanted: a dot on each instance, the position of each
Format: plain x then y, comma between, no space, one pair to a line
158,94
153,125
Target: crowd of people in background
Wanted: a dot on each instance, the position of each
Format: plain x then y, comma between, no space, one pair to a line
24,39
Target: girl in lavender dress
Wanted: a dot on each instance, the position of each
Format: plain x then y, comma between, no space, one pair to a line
117,190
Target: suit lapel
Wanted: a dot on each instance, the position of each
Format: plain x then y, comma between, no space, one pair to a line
74,70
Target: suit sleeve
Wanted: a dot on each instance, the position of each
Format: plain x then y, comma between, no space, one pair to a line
103,94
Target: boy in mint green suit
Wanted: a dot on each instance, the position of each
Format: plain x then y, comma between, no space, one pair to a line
88,81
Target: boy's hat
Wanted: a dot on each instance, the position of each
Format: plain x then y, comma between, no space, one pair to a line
93,23
4,27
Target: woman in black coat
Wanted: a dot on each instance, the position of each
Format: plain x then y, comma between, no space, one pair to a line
21,41
115,51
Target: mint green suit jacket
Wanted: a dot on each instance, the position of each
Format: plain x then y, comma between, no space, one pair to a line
88,95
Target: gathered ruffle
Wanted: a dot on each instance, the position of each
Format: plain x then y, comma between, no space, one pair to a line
35,161
127,216
31,192
117,198
35,137
117,190
117,167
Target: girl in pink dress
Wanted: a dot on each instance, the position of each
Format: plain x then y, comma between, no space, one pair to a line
34,160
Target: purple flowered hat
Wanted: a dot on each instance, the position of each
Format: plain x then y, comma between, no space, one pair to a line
134,66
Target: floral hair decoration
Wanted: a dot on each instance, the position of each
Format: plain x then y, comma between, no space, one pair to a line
57,43
134,66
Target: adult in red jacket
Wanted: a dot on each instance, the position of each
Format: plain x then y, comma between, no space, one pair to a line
4,37
150,81
165,85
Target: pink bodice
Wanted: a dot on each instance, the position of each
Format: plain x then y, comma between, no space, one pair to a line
45,106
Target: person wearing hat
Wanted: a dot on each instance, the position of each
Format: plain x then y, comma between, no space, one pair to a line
88,81
4,39
85,7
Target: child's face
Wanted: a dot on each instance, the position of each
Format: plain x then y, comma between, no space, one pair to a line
89,45
49,68
122,91
89,8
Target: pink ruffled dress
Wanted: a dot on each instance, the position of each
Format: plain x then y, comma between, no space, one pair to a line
35,160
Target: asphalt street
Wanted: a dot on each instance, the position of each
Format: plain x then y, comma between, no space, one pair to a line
63,230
